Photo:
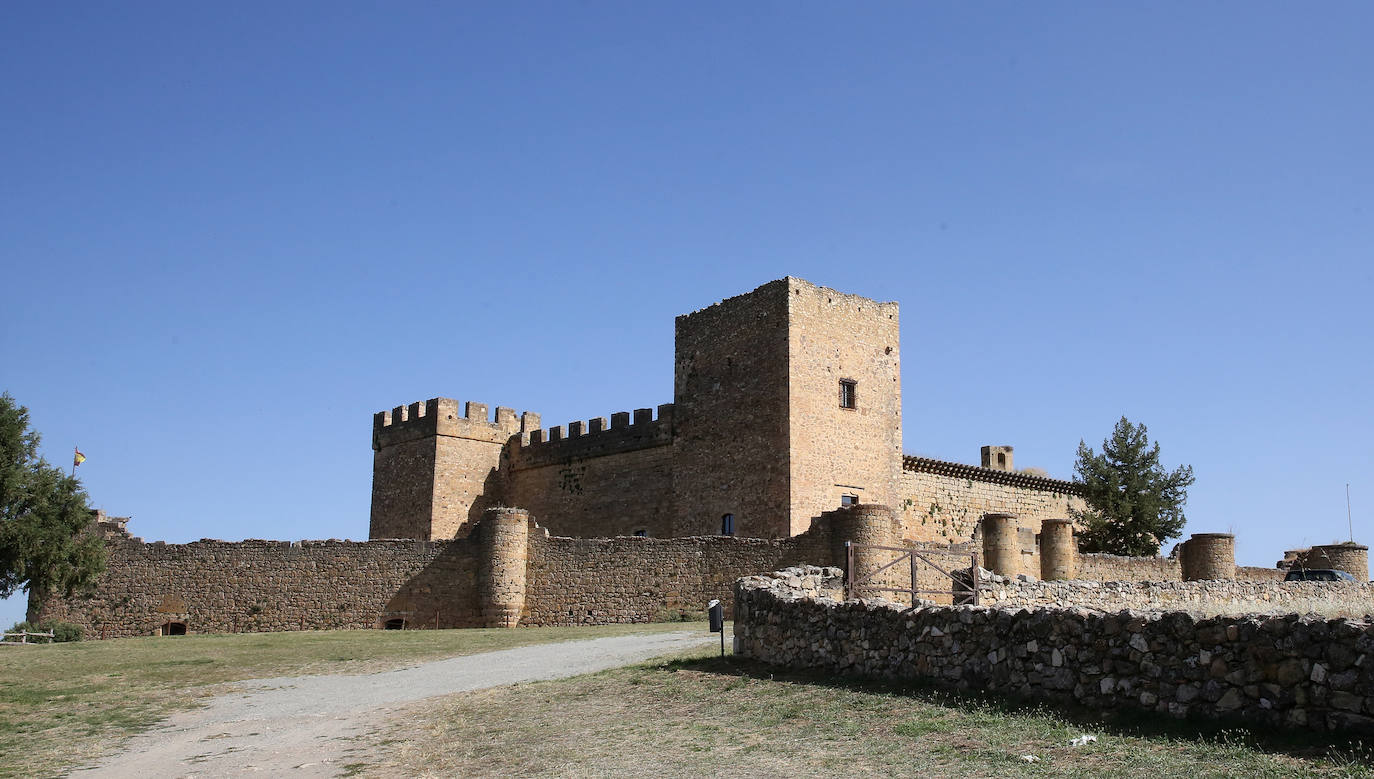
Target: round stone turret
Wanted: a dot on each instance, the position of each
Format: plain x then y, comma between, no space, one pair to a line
868,524
1058,553
1209,556
1001,550
503,542
1351,558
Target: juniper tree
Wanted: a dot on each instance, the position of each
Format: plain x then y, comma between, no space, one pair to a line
1133,504
45,546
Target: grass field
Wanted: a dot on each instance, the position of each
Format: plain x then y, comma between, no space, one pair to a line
699,716
63,704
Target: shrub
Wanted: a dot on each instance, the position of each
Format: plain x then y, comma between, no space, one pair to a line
63,632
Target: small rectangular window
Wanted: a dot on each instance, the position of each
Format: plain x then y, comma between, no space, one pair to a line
642,533
727,525
847,393
849,500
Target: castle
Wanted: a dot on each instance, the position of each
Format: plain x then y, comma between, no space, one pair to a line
782,447
787,404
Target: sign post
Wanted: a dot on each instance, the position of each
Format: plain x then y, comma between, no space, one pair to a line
716,612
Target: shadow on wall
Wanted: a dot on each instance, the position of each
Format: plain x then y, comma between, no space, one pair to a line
491,485
442,595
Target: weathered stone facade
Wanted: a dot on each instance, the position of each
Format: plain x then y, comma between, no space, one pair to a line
509,571
943,502
1302,672
213,586
787,403
787,406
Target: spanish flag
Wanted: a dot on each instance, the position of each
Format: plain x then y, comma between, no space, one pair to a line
78,458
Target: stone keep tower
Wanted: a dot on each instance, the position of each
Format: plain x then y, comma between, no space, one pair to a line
434,469
788,404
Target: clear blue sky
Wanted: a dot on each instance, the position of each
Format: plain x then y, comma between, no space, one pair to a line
230,233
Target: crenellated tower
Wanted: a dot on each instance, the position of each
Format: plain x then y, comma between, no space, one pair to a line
434,468
788,404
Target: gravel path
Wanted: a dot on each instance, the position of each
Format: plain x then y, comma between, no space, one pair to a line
306,725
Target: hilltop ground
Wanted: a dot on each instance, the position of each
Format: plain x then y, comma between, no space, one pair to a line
695,714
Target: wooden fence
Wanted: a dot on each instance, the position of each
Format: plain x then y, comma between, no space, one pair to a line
24,637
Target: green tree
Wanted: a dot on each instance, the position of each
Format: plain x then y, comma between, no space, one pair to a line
1134,505
45,543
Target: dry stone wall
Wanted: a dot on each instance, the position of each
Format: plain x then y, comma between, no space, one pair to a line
1291,671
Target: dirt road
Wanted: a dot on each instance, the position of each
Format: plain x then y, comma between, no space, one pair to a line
305,725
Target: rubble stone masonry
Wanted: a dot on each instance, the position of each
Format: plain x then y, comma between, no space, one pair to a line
787,403
242,587
836,451
1299,672
730,391
943,501
509,571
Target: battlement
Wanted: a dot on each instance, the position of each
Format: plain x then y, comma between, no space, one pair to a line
443,417
799,286
595,437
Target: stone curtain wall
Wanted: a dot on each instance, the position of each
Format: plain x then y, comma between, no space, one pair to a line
260,586
943,502
1304,672
1114,568
595,581
243,587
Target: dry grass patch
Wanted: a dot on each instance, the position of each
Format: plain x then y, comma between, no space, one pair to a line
705,716
62,705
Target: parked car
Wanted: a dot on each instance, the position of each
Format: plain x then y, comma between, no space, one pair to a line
1317,575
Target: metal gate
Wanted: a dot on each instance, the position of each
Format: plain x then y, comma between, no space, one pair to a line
968,589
